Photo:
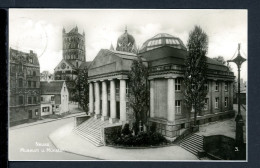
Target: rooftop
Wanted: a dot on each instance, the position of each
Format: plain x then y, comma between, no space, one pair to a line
51,87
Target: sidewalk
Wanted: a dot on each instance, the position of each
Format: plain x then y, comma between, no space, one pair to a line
65,139
45,121
225,127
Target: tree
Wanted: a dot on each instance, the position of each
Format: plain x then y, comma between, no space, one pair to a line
139,92
195,76
81,86
222,60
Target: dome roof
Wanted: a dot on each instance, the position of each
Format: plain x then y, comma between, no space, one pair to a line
162,39
126,43
127,38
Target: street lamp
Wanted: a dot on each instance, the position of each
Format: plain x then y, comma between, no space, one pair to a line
239,120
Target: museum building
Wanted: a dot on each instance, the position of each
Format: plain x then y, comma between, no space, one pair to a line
164,55
24,86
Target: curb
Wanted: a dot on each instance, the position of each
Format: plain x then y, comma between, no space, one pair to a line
46,121
73,152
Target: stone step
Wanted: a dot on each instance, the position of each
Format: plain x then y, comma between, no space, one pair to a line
94,141
196,147
190,150
193,143
89,131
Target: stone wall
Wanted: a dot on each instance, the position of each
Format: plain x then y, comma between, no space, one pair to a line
80,119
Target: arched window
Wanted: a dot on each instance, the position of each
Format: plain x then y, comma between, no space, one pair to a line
77,64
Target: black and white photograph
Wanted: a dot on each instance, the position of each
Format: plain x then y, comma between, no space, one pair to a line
128,85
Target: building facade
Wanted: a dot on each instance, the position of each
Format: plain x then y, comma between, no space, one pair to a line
54,97
164,55
24,86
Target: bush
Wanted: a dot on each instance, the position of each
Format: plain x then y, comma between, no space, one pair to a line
126,130
142,139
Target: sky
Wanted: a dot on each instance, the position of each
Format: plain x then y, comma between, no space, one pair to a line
40,30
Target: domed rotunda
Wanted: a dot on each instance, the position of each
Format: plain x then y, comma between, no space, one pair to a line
162,39
126,43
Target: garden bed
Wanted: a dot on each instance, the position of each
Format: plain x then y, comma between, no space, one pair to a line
125,138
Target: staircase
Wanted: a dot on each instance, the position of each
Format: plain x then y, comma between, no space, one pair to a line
91,130
192,143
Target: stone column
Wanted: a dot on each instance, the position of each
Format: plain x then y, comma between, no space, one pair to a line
122,100
112,118
171,100
97,101
152,98
91,98
104,101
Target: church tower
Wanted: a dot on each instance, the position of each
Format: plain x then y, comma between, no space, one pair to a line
73,49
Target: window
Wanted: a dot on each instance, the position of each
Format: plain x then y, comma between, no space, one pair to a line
216,102
64,89
206,104
20,68
30,60
29,100
13,69
127,106
178,106
34,84
226,86
34,100
36,112
45,109
20,82
217,86
29,84
177,84
34,73
226,101
20,100
52,98
41,98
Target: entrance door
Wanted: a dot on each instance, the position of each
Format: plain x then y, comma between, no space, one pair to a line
30,114
118,110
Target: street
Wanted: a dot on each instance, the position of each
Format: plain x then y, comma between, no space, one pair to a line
33,143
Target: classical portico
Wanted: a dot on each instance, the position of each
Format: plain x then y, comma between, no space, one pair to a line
107,110
108,78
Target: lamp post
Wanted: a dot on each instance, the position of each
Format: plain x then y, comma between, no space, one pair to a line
239,120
